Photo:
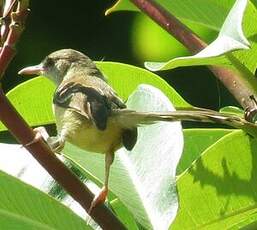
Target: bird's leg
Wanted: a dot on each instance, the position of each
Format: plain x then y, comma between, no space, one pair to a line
101,196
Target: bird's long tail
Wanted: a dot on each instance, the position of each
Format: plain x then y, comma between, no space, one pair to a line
130,118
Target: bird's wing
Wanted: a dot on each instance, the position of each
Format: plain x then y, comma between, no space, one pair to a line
95,104
87,101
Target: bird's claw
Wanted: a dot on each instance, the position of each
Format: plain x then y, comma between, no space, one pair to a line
55,143
40,134
99,199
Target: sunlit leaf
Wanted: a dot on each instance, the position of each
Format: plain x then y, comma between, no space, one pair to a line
124,215
33,100
196,141
24,207
151,42
219,189
209,13
230,38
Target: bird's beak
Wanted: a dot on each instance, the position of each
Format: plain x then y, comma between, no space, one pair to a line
32,70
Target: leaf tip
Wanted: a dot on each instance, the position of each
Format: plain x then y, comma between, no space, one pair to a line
111,9
246,43
107,12
243,39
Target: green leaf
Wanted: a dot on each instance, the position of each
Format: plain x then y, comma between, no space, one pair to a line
230,38
211,13
248,224
232,110
143,179
219,189
126,78
124,215
196,142
33,99
11,221
24,207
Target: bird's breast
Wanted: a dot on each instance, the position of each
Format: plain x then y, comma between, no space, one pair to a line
80,131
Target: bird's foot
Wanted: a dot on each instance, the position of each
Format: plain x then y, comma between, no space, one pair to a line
99,198
56,143
40,134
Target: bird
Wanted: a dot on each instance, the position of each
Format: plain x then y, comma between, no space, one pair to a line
90,115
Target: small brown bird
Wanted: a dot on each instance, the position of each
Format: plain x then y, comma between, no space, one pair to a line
90,115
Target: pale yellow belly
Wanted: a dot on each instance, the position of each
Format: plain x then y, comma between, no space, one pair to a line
79,131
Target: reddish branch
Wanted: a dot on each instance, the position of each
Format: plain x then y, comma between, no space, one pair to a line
17,12
243,88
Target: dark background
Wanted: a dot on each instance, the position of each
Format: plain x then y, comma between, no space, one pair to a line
81,25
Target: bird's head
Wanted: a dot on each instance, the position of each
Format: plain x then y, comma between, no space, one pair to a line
56,65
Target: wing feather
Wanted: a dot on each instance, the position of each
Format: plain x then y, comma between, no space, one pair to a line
94,103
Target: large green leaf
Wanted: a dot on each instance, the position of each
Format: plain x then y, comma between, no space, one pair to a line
33,98
219,190
125,79
211,13
24,207
230,38
152,43
196,141
143,179
11,221
124,215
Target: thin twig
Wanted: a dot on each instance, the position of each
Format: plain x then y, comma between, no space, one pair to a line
243,88
8,7
18,17
6,18
1,7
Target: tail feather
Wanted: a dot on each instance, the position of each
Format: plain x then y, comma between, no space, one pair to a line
130,118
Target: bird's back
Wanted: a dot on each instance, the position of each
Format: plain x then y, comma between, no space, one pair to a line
89,123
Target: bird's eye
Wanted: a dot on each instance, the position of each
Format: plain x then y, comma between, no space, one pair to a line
48,62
